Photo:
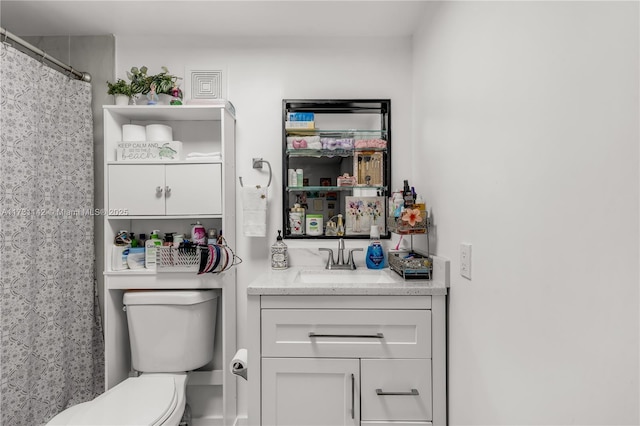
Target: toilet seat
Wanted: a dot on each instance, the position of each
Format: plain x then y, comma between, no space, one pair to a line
149,400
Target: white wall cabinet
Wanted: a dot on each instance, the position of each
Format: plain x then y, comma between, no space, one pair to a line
171,196
347,360
171,189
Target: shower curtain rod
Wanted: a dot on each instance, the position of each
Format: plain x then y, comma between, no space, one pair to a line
84,76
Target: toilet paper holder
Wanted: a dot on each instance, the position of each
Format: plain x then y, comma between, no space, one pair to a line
239,364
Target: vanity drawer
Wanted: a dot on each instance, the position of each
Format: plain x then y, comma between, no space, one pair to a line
351,333
390,423
396,390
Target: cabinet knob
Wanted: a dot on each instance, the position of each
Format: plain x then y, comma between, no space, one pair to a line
168,190
158,191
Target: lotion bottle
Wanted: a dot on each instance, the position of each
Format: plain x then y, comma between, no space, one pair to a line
151,250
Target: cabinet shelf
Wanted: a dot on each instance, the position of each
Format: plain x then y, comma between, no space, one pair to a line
331,188
351,133
140,163
193,216
329,153
173,112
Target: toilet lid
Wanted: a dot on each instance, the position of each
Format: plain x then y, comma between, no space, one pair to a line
146,400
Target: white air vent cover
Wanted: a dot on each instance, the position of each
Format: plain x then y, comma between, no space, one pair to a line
205,84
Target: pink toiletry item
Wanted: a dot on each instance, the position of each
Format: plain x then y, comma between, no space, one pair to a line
299,143
371,143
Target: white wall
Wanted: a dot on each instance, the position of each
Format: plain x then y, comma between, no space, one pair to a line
262,72
526,144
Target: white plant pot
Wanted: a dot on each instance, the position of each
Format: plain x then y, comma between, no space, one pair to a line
164,99
122,99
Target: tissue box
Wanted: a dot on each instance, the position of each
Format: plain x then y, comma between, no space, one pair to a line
149,151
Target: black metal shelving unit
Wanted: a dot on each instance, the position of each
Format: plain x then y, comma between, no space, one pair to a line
340,159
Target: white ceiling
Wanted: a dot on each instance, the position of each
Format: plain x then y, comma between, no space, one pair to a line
239,18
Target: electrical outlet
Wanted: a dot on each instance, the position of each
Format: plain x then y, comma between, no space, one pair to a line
465,260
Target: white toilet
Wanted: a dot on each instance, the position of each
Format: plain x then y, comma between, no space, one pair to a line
171,332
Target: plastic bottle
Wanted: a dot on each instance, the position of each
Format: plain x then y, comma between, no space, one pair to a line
151,250
119,258
279,255
299,177
296,220
419,203
293,177
407,195
120,251
375,253
198,234
398,203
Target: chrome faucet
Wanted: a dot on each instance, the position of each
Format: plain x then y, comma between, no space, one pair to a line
340,264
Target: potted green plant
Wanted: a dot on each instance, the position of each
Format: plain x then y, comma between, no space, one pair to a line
162,83
121,90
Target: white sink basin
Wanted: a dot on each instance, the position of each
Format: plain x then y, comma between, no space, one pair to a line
359,276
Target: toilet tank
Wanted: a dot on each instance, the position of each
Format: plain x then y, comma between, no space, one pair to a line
171,331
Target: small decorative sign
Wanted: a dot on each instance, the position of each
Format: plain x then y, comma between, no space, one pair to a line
148,151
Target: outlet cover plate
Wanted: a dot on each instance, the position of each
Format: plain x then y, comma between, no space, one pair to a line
465,260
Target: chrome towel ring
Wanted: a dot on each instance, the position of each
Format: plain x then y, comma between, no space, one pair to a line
258,164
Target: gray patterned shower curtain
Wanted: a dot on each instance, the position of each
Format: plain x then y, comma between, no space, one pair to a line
51,347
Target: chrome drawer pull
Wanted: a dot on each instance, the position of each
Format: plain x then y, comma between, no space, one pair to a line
356,336
413,392
353,396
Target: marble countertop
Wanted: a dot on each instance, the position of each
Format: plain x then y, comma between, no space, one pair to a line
305,280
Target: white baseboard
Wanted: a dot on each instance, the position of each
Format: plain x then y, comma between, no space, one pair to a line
242,421
217,421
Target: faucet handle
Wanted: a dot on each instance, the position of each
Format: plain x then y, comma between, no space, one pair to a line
350,260
330,261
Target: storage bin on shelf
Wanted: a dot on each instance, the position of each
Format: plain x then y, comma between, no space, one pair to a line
173,259
411,264
212,258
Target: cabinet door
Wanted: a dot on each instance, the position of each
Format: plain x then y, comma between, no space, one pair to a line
306,392
137,189
193,189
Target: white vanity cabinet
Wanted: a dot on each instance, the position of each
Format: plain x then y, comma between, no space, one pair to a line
347,359
170,196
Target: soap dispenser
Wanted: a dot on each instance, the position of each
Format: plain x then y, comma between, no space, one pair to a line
279,255
375,253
